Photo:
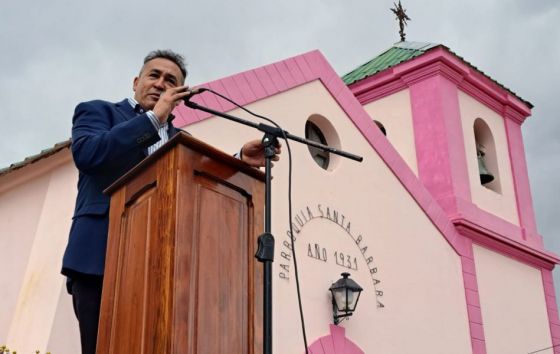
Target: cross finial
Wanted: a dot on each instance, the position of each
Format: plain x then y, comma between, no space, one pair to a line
402,17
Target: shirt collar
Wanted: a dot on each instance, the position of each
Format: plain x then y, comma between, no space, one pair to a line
135,105
132,102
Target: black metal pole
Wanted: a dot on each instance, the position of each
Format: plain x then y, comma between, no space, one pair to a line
265,252
267,291
267,263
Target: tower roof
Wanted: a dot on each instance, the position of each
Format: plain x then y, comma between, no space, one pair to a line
398,53
402,52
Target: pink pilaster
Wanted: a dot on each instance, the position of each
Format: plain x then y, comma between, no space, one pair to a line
551,308
521,183
438,134
472,297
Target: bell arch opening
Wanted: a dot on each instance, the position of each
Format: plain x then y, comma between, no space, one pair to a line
488,169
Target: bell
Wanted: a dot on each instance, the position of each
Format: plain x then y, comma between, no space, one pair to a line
485,176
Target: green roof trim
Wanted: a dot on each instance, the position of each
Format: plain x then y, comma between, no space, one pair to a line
397,54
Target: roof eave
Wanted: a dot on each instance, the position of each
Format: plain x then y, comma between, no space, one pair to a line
35,158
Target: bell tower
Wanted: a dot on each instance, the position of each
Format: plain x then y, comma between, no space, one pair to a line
460,132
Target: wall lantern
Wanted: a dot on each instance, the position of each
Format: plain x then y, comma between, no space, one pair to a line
345,294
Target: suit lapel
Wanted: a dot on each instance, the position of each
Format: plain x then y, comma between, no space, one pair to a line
126,109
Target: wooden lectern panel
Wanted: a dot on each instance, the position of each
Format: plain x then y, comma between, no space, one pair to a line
223,253
180,273
134,280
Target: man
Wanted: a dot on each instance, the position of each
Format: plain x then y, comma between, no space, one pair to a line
108,139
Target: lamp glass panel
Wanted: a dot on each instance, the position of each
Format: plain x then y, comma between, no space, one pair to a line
340,299
352,298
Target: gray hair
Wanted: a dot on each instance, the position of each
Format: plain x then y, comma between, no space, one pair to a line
169,55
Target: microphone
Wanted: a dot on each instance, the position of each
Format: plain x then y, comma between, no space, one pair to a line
194,92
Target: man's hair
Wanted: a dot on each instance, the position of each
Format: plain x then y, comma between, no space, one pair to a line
169,55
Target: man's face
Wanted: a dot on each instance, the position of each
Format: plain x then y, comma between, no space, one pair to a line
156,76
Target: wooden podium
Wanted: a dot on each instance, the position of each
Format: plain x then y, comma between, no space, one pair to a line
180,275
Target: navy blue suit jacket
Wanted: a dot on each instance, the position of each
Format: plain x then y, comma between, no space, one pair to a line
108,139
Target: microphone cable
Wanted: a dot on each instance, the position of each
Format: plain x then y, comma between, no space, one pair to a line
289,204
542,350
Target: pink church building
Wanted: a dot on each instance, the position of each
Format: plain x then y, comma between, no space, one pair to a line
449,263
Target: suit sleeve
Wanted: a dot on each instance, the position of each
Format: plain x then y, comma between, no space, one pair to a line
99,142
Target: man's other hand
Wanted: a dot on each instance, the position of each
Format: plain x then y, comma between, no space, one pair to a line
252,153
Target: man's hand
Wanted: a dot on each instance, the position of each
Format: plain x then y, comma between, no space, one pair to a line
252,153
168,100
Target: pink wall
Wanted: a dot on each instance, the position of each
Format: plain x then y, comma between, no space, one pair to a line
443,191
376,205
312,66
434,80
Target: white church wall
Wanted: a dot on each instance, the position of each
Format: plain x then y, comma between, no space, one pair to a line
395,113
418,274
43,216
16,239
513,304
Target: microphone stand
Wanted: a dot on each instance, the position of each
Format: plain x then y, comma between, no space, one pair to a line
265,250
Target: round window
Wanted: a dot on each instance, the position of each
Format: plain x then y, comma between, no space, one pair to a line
313,133
320,130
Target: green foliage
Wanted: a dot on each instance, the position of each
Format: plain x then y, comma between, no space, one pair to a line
5,350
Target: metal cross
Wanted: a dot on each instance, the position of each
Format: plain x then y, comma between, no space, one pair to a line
402,17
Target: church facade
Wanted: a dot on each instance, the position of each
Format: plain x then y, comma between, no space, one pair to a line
436,224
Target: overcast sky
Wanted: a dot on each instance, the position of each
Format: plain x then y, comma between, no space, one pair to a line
56,53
